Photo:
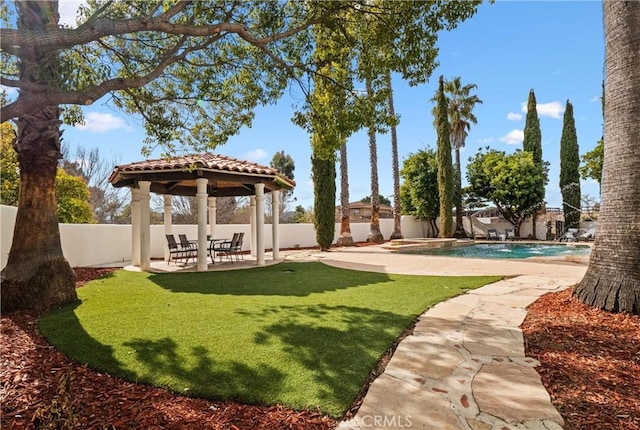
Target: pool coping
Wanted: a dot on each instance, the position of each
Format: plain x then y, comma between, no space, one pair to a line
397,246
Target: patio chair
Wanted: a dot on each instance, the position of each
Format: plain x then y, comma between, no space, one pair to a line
227,248
189,247
508,234
174,249
237,249
492,234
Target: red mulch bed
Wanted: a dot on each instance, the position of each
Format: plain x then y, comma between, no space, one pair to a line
41,388
590,361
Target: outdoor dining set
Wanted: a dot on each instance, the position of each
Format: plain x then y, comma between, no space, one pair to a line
186,249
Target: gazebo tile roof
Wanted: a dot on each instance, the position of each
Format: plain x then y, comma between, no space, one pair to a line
202,161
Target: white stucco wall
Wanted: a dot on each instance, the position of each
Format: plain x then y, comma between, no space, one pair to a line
103,244
7,221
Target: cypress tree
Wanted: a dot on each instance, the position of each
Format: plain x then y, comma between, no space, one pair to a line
324,190
445,166
532,143
569,170
532,135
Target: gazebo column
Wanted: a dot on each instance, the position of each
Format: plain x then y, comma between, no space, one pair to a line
145,227
201,196
252,222
212,217
275,224
135,226
260,224
167,223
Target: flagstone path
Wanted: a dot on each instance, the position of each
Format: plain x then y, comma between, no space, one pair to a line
464,366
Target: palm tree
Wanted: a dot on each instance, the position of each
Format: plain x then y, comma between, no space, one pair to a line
374,231
612,281
44,279
460,111
345,238
397,231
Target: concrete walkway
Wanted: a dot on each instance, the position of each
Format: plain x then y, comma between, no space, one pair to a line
464,366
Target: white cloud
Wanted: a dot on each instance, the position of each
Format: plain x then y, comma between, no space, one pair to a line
594,99
551,109
256,155
512,116
68,10
514,137
485,140
97,122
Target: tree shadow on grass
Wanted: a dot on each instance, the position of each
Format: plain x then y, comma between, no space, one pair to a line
339,345
63,329
285,279
199,375
160,363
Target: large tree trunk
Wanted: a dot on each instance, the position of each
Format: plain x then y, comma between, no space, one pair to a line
397,230
37,277
459,232
612,281
345,238
374,229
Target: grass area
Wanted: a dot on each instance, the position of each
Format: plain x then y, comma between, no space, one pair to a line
305,335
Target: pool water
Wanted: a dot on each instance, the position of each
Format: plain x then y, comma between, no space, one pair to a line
508,250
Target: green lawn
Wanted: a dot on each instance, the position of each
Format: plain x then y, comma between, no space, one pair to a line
304,335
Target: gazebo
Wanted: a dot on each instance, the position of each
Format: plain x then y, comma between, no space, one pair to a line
205,176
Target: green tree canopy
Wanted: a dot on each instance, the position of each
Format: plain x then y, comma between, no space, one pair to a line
302,215
508,181
592,163
382,199
532,141
73,199
569,174
419,190
285,165
445,166
9,169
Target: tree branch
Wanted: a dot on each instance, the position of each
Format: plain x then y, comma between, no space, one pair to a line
44,95
63,38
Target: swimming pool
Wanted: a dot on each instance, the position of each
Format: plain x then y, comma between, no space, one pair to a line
507,250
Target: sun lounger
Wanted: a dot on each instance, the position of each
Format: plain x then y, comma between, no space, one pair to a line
569,235
589,234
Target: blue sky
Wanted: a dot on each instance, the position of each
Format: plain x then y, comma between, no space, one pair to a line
506,49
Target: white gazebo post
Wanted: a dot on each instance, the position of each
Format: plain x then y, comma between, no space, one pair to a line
275,224
201,196
135,226
252,222
167,223
212,217
260,224
145,228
